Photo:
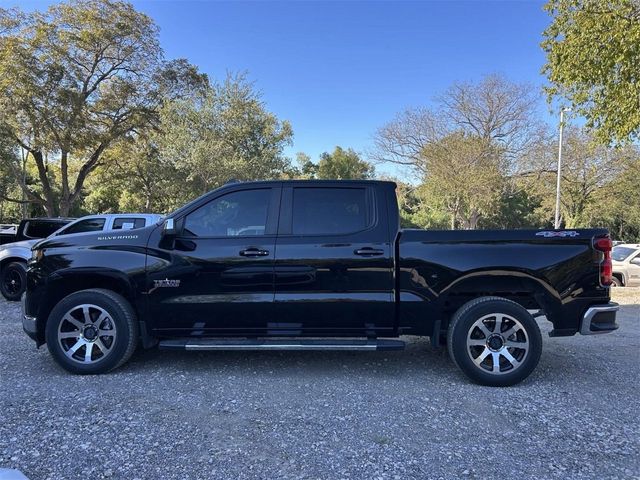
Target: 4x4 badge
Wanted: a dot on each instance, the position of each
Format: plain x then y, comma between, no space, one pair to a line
562,233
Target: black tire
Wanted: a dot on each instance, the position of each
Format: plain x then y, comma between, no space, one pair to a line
118,322
13,280
475,352
616,282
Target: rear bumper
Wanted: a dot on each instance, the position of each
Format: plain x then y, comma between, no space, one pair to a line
29,323
599,319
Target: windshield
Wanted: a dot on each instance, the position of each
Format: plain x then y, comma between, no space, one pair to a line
620,253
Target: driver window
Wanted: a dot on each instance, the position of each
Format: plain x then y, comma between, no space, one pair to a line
235,214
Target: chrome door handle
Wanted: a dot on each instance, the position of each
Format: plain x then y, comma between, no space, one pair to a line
368,252
254,252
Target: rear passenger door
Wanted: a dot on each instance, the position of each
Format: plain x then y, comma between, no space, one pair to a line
334,262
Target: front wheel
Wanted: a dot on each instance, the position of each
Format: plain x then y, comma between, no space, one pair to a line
92,331
615,282
494,341
13,280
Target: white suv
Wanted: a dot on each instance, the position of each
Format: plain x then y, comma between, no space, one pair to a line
626,265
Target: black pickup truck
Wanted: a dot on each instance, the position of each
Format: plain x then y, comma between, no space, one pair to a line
315,265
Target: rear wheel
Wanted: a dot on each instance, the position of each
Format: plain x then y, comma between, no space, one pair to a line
494,341
13,280
92,331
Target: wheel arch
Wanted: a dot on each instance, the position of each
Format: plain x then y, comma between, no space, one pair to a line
620,276
7,260
523,288
64,283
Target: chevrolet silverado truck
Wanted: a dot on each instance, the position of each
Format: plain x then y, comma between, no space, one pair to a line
315,265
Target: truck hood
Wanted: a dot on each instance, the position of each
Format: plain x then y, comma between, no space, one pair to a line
114,238
22,244
20,249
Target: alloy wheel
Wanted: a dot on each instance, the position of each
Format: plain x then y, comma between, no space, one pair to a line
497,343
87,334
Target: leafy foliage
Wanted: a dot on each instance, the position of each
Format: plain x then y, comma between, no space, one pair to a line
73,81
227,133
593,62
340,164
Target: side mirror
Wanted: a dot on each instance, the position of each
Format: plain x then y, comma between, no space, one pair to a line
169,227
636,261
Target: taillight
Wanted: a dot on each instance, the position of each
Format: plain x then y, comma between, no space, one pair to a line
604,245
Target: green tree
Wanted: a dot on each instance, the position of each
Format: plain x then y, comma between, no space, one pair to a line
343,164
465,177
588,166
228,133
305,167
593,62
418,207
74,80
616,206
135,178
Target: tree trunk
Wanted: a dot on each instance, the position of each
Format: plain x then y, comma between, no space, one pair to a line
49,200
64,174
474,218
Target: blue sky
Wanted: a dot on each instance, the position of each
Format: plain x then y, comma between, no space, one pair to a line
340,70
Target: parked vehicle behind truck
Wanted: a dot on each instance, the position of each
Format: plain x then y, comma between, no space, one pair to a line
14,256
8,233
626,265
315,265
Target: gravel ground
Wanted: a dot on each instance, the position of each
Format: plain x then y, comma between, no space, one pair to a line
410,414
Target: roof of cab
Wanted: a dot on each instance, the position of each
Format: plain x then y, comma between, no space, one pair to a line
309,181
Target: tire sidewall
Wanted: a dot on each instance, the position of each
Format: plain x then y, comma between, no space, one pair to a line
19,267
118,316
459,342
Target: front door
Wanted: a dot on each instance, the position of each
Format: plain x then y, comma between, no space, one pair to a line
218,275
334,262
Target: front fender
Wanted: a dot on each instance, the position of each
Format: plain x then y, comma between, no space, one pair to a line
14,253
63,271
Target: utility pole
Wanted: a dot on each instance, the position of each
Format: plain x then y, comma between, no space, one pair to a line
557,222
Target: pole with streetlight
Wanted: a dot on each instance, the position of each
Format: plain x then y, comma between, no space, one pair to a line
557,222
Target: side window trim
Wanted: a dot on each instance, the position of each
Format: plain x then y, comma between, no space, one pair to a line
270,226
285,227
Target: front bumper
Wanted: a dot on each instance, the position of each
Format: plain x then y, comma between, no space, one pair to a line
599,319
29,323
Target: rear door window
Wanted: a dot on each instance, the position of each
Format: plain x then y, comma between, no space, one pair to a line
329,211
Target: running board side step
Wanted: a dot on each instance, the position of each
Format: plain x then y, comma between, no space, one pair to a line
278,344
